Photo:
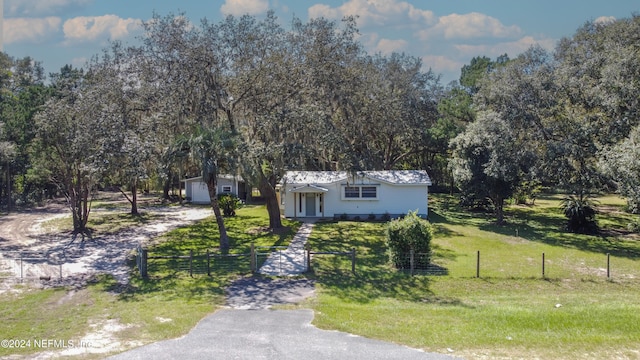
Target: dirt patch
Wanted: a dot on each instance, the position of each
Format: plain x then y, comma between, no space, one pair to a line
102,339
63,259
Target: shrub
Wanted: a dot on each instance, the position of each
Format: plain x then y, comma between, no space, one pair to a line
371,217
406,234
344,217
633,206
634,226
581,214
229,203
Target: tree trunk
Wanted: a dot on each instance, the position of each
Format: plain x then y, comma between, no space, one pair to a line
166,187
8,187
224,238
498,204
134,197
133,200
273,208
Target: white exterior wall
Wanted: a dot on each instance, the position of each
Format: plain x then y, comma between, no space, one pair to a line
222,182
392,199
197,190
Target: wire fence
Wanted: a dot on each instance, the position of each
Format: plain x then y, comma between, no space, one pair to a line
30,265
542,265
194,263
277,258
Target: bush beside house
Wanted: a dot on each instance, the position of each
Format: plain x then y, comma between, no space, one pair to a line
406,234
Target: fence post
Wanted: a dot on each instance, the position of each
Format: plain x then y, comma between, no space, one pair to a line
60,264
307,247
208,263
254,260
21,268
478,265
411,260
142,262
608,267
353,260
191,263
543,266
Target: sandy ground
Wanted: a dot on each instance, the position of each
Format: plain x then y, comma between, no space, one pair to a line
60,259
68,261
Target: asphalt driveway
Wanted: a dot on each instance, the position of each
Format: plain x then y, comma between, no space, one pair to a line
271,334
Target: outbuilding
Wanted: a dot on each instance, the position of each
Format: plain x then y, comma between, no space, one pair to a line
363,194
196,190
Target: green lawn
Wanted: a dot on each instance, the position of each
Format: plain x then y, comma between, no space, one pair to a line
511,311
575,312
167,305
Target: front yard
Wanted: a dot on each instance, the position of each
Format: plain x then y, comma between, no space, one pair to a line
511,311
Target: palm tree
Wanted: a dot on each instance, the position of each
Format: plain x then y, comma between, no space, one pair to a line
214,149
581,213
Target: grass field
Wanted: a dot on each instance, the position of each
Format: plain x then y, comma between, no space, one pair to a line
511,311
575,312
166,305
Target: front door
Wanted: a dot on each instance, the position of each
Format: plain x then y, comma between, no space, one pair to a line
311,205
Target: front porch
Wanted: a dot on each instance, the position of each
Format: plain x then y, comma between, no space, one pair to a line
309,201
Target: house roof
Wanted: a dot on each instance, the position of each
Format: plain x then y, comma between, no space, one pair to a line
398,177
308,188
221,176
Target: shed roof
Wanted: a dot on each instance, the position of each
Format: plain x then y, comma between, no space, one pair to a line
220,176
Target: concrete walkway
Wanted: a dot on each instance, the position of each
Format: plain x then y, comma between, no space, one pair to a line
292,261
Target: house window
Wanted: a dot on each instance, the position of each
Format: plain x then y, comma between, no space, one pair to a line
361,192
351,192
226,188
369,192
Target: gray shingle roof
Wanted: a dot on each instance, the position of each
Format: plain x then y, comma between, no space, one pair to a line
400,177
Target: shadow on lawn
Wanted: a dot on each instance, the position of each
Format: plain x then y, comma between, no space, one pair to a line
550,231
529,223
374,277
173,286
368,285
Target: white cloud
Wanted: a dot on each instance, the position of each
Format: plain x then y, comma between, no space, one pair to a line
30,30
99,28
243,7
387,46
441,64
31,8
375,12
469,26
603,20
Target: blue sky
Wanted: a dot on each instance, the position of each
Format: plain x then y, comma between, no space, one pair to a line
446,34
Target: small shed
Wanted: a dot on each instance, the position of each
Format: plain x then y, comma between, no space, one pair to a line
196,190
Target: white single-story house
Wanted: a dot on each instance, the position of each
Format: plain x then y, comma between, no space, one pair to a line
364,194
197,193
